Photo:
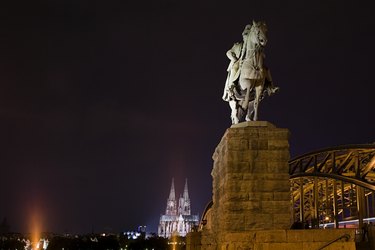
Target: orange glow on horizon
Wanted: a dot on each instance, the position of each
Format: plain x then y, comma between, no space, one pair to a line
35,228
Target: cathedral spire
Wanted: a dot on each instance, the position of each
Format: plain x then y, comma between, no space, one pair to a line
186,201
172,194
186,192
171,202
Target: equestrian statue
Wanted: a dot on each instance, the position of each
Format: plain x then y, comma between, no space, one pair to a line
249,80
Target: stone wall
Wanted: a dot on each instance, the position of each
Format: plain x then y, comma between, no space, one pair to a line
277,240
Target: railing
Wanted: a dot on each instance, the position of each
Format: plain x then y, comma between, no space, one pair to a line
345,236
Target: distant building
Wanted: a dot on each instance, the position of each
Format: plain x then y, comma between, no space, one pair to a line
177,219
140,233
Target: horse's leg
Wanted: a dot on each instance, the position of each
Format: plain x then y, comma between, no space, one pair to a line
246,84
248,105
250,111
256,103
234,115
258,92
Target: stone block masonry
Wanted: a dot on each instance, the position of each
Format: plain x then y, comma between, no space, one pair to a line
251,188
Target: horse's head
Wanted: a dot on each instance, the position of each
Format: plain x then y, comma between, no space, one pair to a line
258,33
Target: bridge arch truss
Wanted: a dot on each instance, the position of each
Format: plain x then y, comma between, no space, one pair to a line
334,185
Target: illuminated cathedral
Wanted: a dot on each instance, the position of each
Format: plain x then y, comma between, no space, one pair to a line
177,219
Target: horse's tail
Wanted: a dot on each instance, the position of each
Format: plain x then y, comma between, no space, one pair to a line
238,95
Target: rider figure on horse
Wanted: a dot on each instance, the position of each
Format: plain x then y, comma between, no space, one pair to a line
248,78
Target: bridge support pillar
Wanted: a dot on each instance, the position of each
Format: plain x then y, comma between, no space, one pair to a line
315,215
360,205
335,210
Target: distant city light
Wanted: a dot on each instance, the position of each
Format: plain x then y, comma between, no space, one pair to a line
35,230
347,222
132,235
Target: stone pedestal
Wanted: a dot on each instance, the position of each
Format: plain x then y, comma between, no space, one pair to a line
251,189
251,195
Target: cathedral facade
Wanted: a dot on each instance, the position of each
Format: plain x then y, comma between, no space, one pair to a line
177,219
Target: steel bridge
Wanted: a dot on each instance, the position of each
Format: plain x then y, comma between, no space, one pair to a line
334,185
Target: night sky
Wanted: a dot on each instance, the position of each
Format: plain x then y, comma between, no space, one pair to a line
102,103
